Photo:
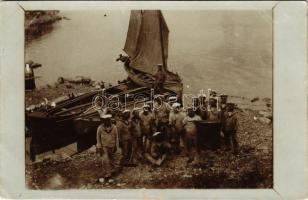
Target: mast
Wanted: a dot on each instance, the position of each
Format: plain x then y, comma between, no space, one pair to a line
162,41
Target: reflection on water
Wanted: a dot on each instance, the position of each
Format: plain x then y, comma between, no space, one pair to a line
230,51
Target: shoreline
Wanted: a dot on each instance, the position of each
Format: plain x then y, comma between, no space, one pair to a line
39,23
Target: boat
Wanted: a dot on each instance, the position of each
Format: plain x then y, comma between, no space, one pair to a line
76,119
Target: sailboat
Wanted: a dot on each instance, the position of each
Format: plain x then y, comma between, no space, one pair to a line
147,46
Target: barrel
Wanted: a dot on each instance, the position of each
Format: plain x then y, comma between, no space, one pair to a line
208,136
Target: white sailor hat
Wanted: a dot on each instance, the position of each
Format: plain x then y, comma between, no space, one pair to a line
202,95
156,134
107,116
135,109
146,106
174,105
158,95
189,108
126,111
160,65
172,98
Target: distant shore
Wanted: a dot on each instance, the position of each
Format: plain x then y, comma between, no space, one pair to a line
39,23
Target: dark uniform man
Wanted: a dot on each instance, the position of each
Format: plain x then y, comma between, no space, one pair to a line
137,136
230,127
203,106
124,128
160,78
223,105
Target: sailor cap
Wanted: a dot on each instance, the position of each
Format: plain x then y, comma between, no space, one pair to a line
156,134
160,65
126,111
158,95
172,98
135,109
146,106
174,105
107,116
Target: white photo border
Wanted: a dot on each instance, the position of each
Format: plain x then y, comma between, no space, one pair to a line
289,91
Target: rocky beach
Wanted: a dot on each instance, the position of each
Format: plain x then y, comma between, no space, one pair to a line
251,168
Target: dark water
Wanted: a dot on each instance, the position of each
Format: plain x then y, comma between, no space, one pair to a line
230,51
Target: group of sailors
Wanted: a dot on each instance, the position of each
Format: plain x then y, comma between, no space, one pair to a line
160,129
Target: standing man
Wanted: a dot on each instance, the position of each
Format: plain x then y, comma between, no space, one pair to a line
223,105
147,126
203,106
213,114
190,136
161,113
137,135
230,127
124,128
176,118
160,78
108,145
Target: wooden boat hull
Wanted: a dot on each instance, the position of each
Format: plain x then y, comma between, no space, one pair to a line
147,80
30,83
71,121
48,134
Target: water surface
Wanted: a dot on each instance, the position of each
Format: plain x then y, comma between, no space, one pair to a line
230,51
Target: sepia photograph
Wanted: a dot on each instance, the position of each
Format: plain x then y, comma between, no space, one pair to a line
155,99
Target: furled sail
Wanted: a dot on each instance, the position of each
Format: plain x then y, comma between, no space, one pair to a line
147,40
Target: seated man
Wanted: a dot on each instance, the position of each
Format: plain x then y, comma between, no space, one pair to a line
159,149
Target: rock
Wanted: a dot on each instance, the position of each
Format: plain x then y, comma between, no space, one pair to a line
266,100
92,149
265,114
101,180
55,182
110,181
255,99
83,187
69,86
265,120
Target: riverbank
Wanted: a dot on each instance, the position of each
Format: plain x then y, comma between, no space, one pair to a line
251,168
39,23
